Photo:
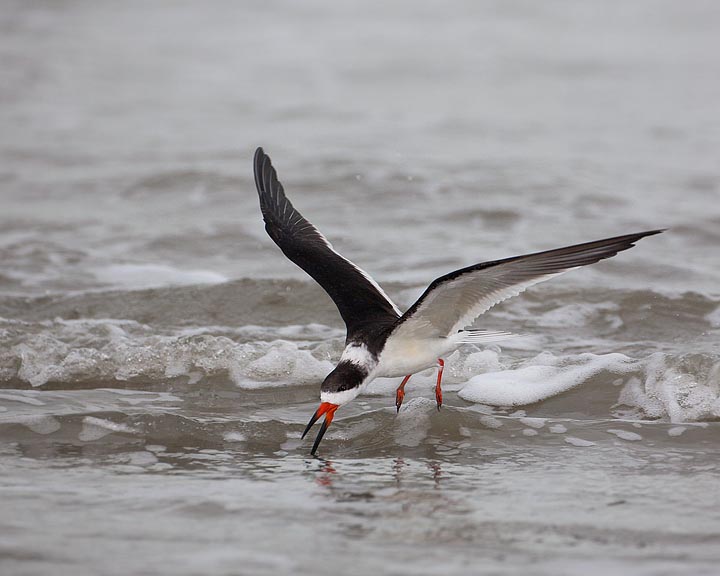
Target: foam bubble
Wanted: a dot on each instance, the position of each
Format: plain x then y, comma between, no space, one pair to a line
676,430
234,437
625,435
578,442
40,424
714,318
284,362
533,422
683,389
491,422
557,429
413,422
141,458
96,428
540,378
91,351
476,362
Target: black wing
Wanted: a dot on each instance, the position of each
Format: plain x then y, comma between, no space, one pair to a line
453,301
357,296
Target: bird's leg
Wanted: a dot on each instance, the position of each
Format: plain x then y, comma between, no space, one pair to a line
438,390
400,392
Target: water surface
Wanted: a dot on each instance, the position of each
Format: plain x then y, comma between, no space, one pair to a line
159,357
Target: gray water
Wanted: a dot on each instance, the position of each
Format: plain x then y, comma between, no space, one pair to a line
159,357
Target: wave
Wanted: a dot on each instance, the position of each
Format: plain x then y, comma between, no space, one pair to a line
682,388
86,352
100,353
258,334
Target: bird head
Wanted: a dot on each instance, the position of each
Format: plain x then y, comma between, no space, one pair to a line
339,387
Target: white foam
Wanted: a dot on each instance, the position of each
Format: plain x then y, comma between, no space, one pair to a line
625,435
557,429
578,441
667,390
95,428
491,422
79,351
284,362
533,422
460,370
676,430
234,437
542,377
714,318
529,432
464,431
413,422
41,424
141,458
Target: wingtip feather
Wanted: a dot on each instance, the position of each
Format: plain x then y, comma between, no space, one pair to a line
258,159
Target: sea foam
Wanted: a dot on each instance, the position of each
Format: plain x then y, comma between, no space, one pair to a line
120,351
682,389
675,388
540,378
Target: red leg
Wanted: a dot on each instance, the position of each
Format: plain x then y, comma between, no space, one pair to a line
438,390
400,392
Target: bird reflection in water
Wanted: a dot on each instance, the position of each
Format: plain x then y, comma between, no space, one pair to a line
436,469
327,474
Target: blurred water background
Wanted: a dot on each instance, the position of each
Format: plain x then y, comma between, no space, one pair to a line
159,357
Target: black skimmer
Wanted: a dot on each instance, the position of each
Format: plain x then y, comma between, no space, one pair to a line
381,340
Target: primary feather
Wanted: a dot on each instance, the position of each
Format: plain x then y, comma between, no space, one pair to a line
455,300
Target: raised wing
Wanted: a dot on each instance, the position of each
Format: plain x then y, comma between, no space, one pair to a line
357,296
453,301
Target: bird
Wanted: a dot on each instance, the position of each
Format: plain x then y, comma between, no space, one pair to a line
381,340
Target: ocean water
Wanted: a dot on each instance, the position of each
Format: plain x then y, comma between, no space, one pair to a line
159,357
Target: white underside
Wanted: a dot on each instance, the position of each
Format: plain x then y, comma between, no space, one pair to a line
403,356
399,357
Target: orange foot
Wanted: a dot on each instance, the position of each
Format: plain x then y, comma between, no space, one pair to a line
400,392
438,390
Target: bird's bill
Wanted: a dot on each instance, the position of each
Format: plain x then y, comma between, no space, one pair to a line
328,409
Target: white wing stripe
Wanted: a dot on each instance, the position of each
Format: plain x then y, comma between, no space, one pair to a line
365,275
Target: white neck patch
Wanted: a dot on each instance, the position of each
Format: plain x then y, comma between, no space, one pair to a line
340,398
359,355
